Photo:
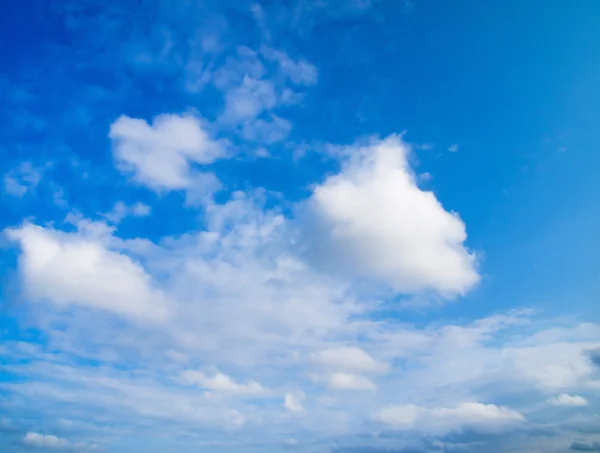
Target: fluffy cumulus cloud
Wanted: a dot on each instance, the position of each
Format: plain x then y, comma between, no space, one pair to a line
162,155
373,219
79,269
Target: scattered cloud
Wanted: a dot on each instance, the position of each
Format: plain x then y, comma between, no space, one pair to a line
220,382
22,179
121,210
300,72
553,366
248,100
349,381
423,146
36,440
266,131
568,400
440,419
257,309
293,402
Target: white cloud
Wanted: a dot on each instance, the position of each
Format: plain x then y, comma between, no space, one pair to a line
220,382
455,360
122,394
373,219
22,179
252,92
293,403
36,440
552,366
248,100
244,64
568,400
266,131
440,419
161,155
453,148
349,381
78,268
120,210
348,359
238,295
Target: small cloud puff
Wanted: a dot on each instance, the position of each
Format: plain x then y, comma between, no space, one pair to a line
568,400
293,402
222,383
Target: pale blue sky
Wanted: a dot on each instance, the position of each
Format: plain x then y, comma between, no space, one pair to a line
317,226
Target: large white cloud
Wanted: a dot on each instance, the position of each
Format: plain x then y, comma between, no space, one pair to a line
75,268
161,155
373,219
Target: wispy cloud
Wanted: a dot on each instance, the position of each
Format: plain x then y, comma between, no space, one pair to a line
22,179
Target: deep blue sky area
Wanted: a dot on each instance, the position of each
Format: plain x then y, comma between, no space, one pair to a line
357,225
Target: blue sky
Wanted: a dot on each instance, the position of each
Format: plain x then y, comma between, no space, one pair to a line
357,226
